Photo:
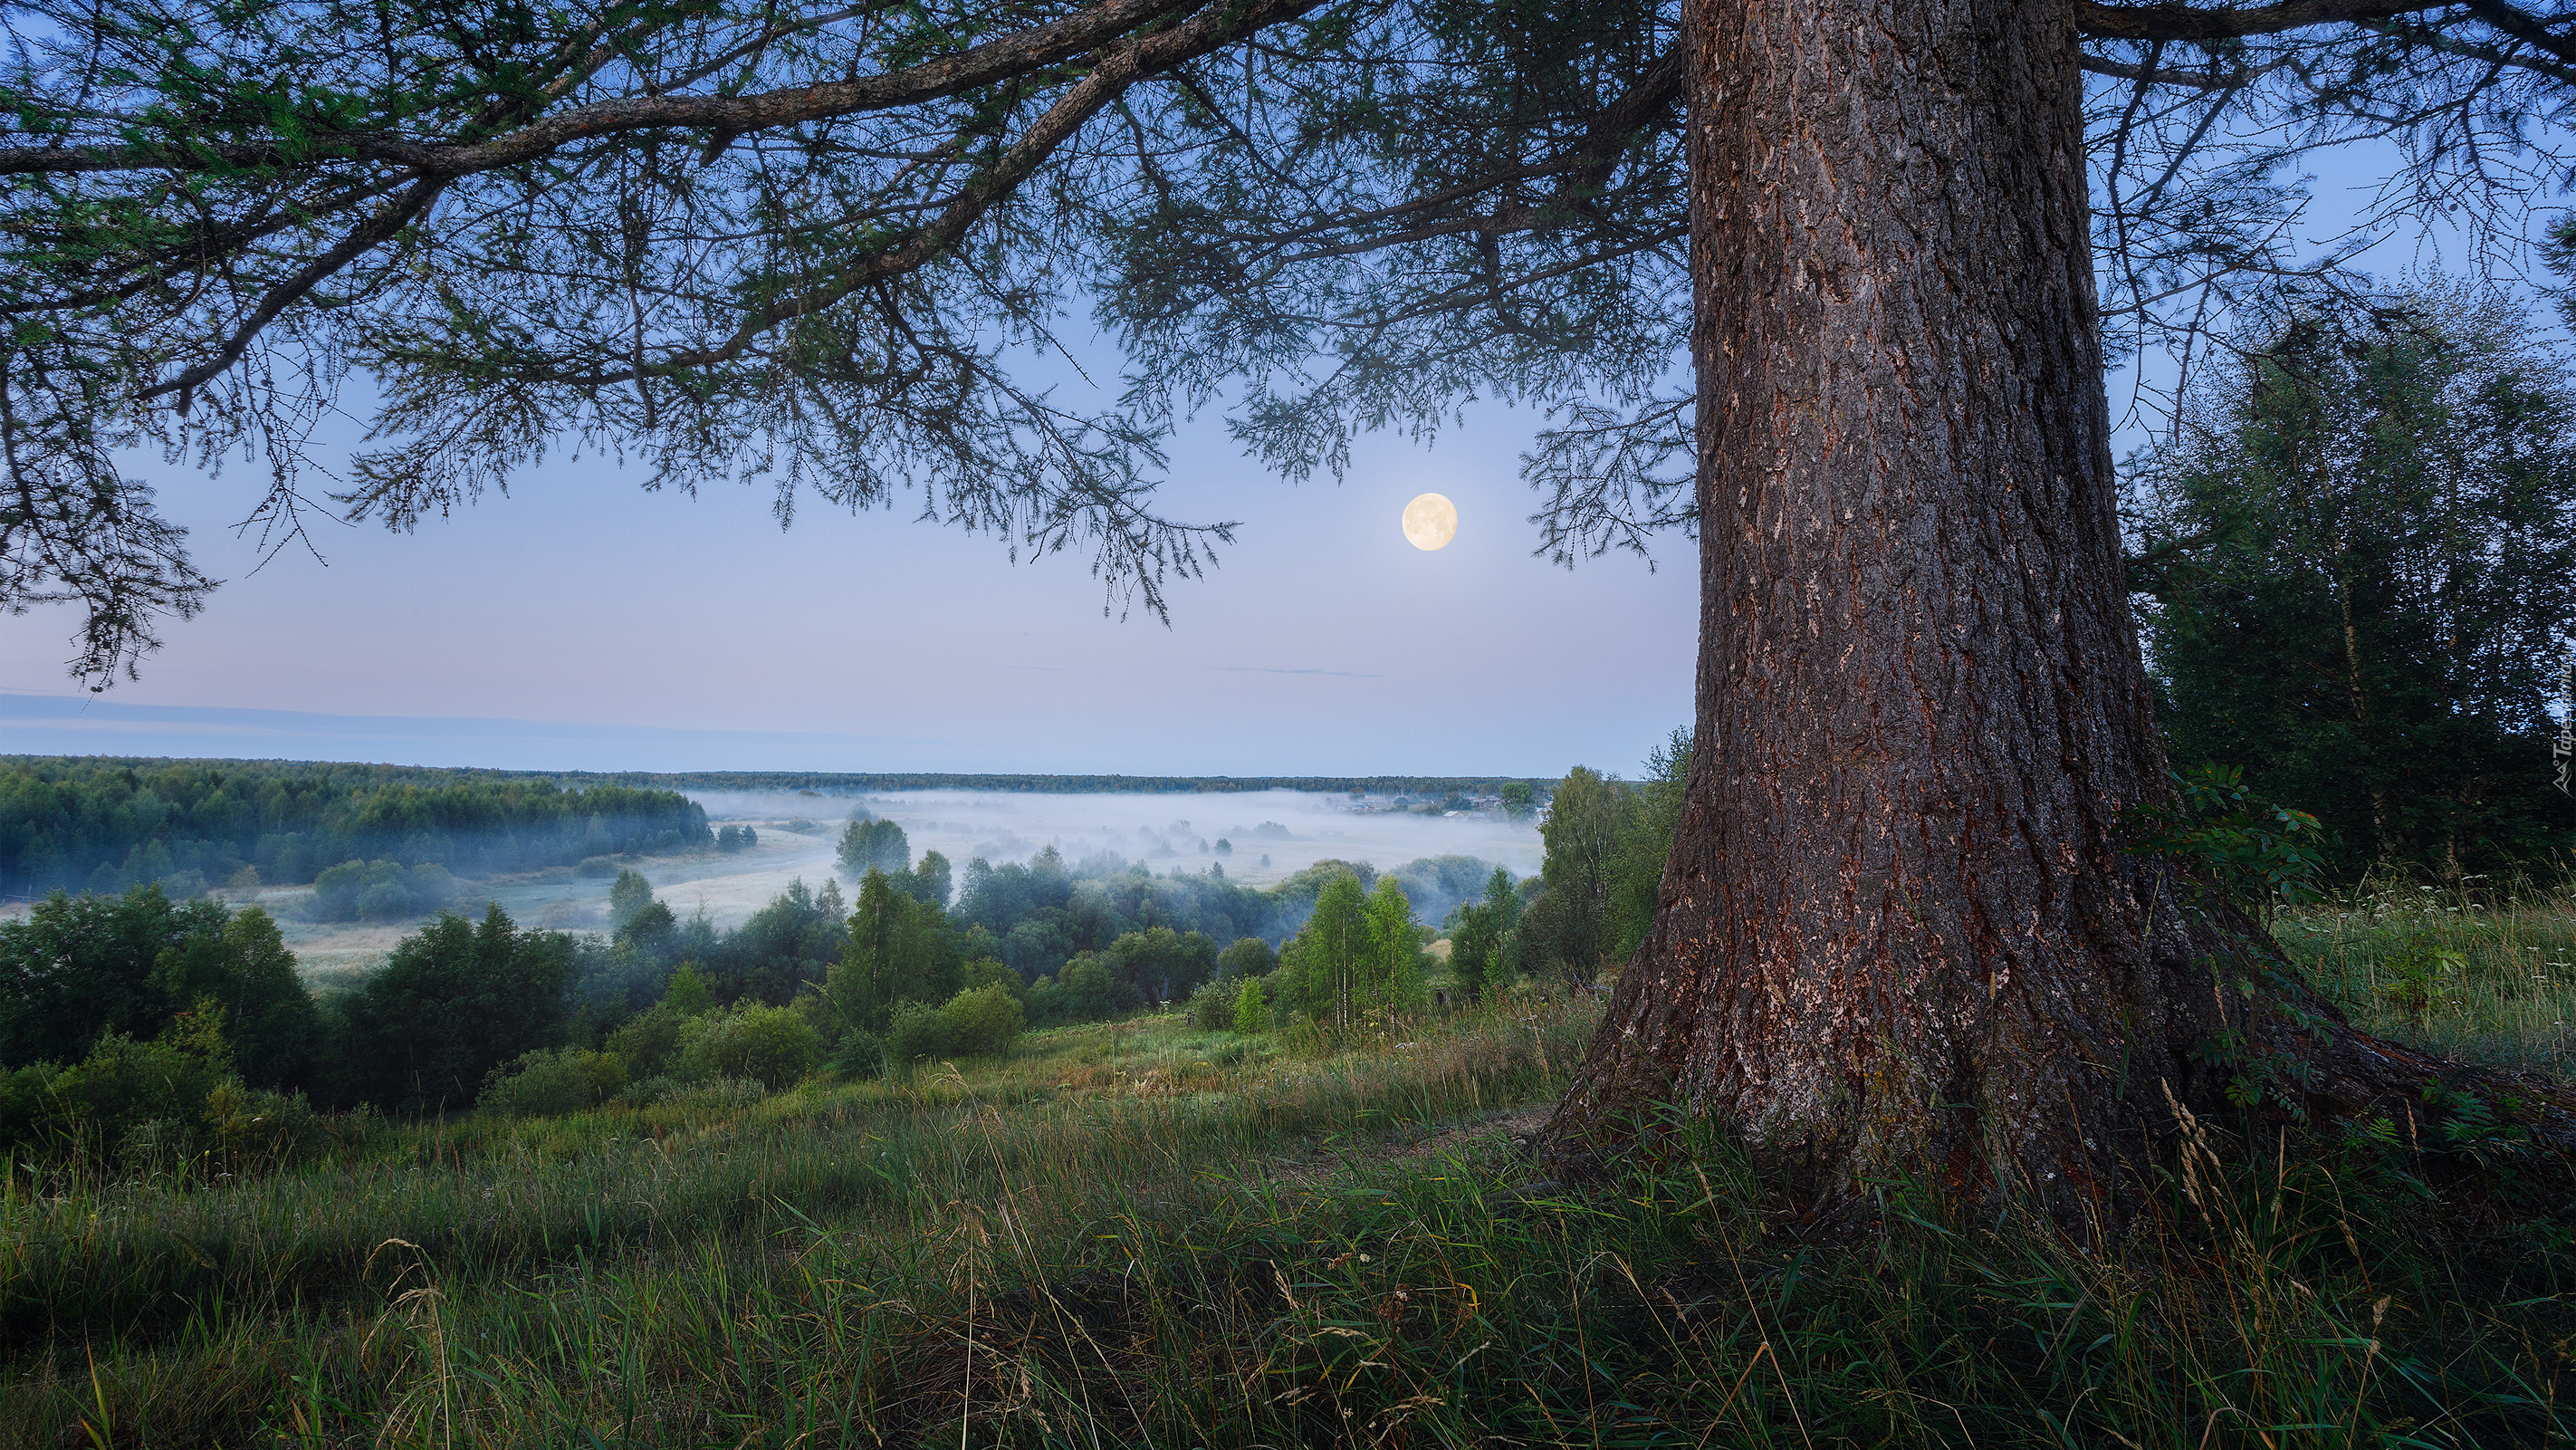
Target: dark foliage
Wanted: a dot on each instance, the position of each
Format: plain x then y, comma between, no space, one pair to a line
103,825
2361,562
452,1003
78,970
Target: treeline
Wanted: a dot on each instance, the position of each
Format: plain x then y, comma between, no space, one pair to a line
99,825
132,1025
2355,569
830,783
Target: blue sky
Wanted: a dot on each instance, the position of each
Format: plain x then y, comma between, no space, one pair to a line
583,623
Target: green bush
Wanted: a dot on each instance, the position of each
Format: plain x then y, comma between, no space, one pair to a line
1212,1005
645,1092
1252,1009
686,993
860,1054
983,1021
989,972
125,1083
546,1084
381,891
258,1130
918,1032
649,1044
1047,1002
1250,956
600,868
1090,989
2262,855
820,1015
27,1098
773,1046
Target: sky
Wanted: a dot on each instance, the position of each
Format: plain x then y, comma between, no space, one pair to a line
582,623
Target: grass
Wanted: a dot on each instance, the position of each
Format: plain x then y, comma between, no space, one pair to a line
1134,1234
2484,977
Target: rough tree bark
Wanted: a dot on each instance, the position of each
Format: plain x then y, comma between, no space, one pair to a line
1898,933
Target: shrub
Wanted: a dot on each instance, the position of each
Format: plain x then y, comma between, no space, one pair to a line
918,1031
381,891
1251,1009
1212,1005
686,993
1047,1002
1091,990
651,1090
861,1054
820,1015
1250,956
989,972
648,1044
124,1083
27,1101
384,901
545,1084
773,1046
982,1021
2260,854
601,868
256,1129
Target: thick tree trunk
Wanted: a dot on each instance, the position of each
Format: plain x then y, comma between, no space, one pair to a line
1898,935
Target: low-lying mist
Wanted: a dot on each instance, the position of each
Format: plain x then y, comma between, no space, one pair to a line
1272,834
1291,829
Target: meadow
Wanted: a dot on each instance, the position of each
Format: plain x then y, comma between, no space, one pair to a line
1133,1233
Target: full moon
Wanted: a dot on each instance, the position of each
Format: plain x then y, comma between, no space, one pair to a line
1430,521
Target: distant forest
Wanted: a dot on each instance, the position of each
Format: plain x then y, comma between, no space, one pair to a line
101,825
826,783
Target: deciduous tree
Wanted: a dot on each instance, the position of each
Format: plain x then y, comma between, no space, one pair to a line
2362,557
451,1002
897,951
874,846
1391,976
1587,823
268,1016
1483,949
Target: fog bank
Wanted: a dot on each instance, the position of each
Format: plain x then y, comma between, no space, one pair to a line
1289,829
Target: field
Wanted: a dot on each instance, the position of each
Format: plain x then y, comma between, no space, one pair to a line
1133,1233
